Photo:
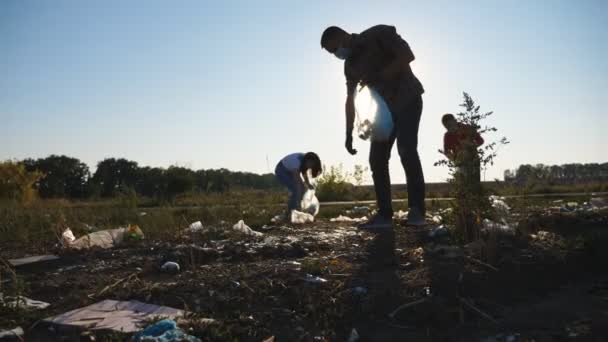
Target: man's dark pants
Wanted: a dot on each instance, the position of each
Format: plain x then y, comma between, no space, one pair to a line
407,121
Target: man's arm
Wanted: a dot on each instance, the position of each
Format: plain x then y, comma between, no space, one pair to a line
351,87
306,180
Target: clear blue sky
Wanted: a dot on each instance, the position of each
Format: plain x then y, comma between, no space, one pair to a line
209,84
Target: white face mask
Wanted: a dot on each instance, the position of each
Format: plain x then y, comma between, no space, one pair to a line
343,53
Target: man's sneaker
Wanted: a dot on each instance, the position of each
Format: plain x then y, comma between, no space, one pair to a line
415,217
377,222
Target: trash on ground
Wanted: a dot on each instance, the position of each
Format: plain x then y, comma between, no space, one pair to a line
362,209
310,203
121,316
438,232
24,303
243,228
170,267
400,215
134,232
542,235
309,278
108,238
103,239
278,218
32,260
489,225
165,330
437,219
195,227
343,218
67,237
499,204
299,217
12,335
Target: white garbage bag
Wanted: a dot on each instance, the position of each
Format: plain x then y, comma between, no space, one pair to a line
375,119
243,228
195,226
310,203
67,237
298,217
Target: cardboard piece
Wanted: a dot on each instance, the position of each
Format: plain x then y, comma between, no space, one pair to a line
121,316
32,259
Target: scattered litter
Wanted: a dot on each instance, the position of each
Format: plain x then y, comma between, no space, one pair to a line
343,218
165,330
309,278
195,227
143,213
278,218
32,260
170,267
120,316
437,219
243,228
12,335
499,204
310,203
362,209
354,336
24,303
67,237
134,232
298,217
543,235
489,225
400,215
438,232
108,238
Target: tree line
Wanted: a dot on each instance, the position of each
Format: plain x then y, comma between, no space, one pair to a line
567,174
60,176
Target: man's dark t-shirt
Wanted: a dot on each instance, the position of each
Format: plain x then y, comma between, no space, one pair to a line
374,49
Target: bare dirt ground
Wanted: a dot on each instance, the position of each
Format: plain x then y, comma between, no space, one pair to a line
529,286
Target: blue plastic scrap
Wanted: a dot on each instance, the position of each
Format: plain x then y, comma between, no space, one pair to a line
164,331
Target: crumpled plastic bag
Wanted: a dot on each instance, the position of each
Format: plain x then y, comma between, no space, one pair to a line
164,331
375,119
243,228
310,203
67,237
342,218
298,217
195,227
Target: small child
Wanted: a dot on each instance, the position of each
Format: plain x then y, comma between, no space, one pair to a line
288,172
460,144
